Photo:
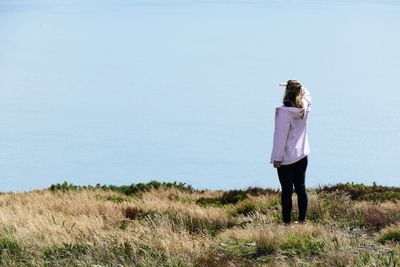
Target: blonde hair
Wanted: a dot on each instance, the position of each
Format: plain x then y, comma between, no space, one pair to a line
292,97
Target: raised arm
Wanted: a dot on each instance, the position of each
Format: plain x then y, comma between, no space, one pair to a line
306,98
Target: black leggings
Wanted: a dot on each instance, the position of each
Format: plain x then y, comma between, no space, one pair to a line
289,175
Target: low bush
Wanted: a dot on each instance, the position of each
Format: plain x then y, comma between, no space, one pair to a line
132,189
11,252
247,207
123,252
67,251
390,234
238,248
257,204
364,192
294,244
236,195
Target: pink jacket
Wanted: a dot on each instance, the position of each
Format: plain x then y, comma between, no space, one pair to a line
290,136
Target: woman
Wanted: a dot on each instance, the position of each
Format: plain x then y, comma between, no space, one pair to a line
291,147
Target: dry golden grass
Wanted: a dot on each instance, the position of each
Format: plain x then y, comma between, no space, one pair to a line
165,227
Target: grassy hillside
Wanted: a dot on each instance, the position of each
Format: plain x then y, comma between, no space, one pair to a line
172,224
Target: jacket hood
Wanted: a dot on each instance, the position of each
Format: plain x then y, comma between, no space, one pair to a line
295,113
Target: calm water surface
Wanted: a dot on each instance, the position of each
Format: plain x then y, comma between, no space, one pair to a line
120,92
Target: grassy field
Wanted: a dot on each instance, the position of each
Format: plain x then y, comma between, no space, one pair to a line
172,224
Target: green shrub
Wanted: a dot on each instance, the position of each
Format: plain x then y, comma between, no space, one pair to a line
247,207
138,188
364,192
67,251
123,252
363,259
238,248
123,224
295,244
391,235
132,189
209,202
64,187
128,254
236,195
388,260
11,252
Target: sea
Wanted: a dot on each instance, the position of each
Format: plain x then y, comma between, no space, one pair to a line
128,91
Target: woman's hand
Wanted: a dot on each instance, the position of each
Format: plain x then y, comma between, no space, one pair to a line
277,164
